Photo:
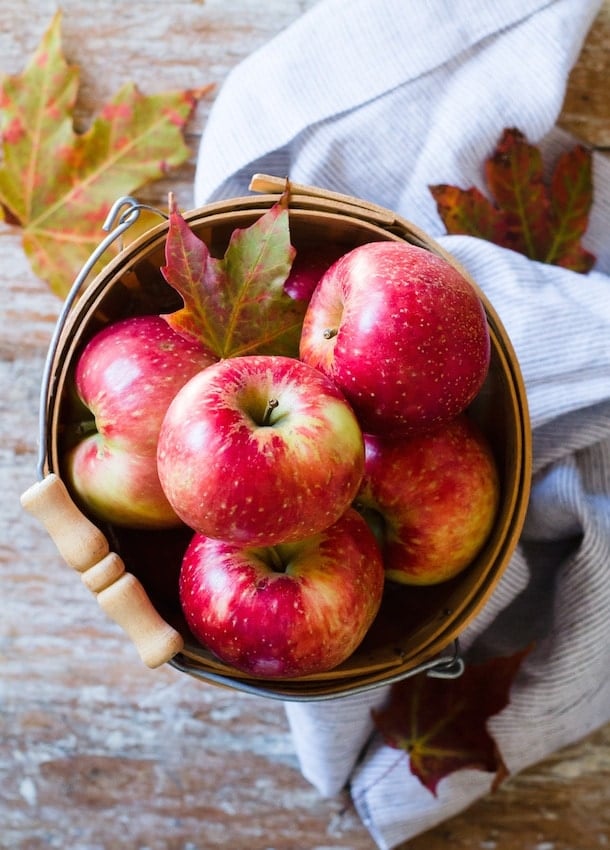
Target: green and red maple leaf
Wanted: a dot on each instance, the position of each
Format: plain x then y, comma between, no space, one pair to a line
236,305
58,185
543,219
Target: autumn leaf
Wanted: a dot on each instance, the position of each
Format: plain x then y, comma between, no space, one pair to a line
58,185
442,723
236,305
543,219
571,198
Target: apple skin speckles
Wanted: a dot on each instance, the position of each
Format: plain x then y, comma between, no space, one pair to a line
293,610
126,376
262,474
412,345
432,497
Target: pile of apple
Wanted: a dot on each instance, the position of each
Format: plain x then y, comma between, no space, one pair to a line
308,482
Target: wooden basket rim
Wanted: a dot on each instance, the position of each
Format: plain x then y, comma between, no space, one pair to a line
320,205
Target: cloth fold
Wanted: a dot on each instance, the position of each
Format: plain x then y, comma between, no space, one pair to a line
380,99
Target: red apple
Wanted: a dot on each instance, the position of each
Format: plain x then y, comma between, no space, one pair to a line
431,499
308,266
284,611
126,376
260,450
401,332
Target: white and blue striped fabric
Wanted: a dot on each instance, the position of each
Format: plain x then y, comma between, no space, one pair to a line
380,99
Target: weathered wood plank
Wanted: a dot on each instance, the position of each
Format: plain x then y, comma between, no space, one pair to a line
586,108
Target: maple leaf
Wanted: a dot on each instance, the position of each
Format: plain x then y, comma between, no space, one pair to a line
544,220
58,185
441,723
236,305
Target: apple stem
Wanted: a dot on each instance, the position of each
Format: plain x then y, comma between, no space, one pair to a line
329,333
86,427
271,405
375,521
277,565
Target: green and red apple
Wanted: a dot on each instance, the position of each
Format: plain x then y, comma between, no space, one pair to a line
260,450
293,609
431,500
126,377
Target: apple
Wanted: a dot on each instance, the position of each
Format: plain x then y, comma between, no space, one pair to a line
308,266
259,450
289,610
401,332
126,376
431,499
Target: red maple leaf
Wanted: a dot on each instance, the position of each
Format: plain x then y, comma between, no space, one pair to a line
442,723
544,220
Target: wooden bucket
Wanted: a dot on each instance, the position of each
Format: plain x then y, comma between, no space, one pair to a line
134,574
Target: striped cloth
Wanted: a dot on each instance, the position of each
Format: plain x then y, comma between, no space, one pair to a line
380,99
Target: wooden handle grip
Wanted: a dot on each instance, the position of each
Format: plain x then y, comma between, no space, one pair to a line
103,574
84,548
127,603
79,542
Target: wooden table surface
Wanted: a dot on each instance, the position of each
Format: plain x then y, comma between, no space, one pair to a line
96,751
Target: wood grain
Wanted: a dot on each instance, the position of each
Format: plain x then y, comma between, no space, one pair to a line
97,751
